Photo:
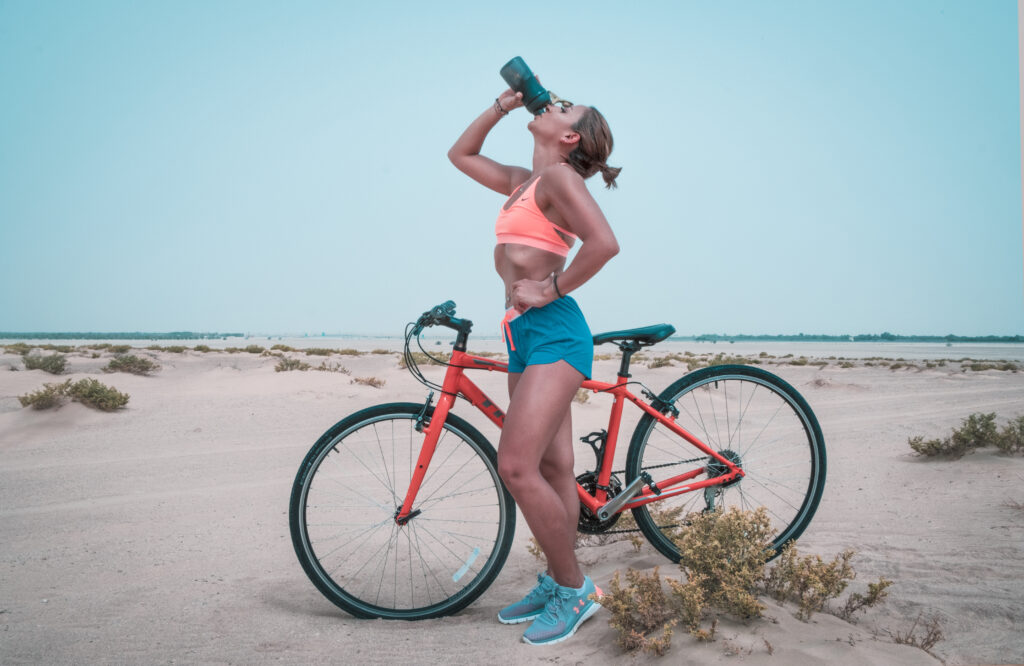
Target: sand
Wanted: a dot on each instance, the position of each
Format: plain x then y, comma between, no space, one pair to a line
159,533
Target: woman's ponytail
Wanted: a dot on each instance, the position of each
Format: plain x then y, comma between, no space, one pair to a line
594,147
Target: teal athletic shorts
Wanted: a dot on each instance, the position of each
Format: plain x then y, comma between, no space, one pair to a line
556,332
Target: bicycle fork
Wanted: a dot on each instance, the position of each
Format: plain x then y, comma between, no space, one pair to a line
432,427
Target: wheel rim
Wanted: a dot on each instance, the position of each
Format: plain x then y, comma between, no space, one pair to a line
750,421
350,500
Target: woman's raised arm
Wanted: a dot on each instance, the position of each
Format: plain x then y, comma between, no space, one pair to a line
466,157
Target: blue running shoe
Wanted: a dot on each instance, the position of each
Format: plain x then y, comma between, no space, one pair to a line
532,604
563,614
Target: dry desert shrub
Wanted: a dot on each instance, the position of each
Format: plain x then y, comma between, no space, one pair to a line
288,364
642,614
723,557
420,358
811,582
723,554
174,349
135,365
52,363
326,366
932,634
368,381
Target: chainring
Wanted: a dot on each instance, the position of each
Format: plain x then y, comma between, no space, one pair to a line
589,523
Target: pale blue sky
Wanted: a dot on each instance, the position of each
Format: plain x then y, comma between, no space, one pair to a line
271,167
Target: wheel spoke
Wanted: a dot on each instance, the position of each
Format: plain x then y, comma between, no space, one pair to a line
767,427
440,559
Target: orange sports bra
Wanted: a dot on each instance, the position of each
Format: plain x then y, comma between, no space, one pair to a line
524,223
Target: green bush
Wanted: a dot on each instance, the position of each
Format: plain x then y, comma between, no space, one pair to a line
51,395
1011,439
119,349
136,365
977,431
95,394
19,348
89,392
53,363
255,349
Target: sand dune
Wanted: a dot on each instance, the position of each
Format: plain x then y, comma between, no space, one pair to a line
160,533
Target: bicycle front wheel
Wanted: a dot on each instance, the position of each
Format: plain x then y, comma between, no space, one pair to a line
349,490
750,417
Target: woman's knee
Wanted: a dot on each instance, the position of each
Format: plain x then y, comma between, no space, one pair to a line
512,470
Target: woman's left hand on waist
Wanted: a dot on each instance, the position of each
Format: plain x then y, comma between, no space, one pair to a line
526,294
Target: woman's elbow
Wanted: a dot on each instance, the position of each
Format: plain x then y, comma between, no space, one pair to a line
611,248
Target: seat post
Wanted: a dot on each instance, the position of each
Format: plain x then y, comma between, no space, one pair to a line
628,347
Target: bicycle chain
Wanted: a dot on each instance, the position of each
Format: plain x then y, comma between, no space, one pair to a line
671,464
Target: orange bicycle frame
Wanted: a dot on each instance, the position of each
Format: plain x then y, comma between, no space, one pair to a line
456,383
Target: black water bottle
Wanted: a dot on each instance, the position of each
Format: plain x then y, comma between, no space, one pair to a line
519,77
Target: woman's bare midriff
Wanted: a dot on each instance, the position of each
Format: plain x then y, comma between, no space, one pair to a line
522,262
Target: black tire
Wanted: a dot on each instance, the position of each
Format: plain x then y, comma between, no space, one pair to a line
759,419
348,492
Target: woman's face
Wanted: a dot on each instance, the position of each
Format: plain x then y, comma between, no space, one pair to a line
557,121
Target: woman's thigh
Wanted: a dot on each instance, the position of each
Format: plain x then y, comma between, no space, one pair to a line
540,399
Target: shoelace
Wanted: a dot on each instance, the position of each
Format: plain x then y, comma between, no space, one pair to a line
563,598
540,591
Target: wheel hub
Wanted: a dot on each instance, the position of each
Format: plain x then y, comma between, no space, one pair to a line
716,468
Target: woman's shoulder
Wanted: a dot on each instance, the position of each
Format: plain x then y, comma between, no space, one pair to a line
559,179
560,175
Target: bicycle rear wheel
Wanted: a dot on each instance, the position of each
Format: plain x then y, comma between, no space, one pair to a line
349,490
751,417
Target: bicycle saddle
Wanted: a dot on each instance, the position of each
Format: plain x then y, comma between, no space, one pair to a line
643,336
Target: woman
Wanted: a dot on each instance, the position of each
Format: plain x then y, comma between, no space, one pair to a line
550,346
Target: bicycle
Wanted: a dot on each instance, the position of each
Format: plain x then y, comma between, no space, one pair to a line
398,511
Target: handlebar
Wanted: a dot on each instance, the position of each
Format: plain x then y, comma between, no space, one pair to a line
442,315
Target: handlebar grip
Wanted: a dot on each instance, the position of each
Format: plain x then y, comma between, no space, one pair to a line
438,314
442,311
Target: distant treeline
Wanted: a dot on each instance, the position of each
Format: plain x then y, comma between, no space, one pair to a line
867,337
174,335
